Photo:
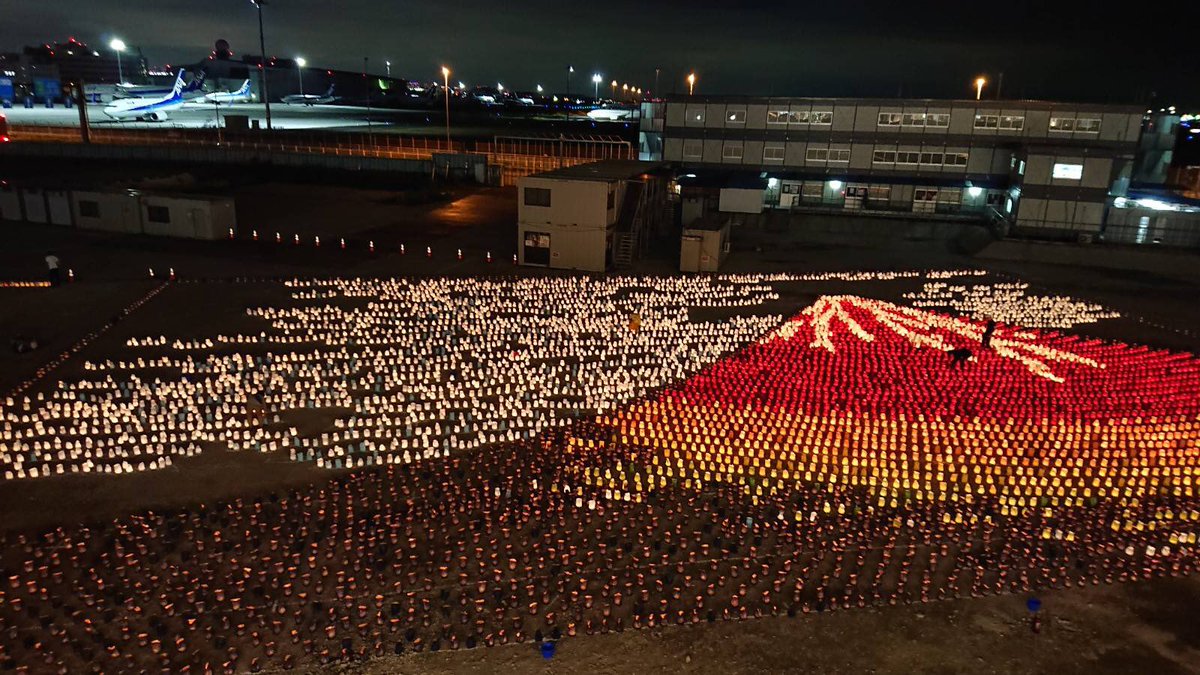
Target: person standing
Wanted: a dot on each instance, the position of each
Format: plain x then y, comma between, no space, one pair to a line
53,270
986,342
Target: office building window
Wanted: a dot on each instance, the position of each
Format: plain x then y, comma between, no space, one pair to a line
931,158
890,119
1021,168
883,157
925,195
731,152
537,196
813,191
773,153
693,149
735,117
987,121
955,159
1062,124
778,116
820,117
913,119
89,208
939,120
908,158
1087,125
842,155
880,193
816,155
1012,122
158,214
1065,171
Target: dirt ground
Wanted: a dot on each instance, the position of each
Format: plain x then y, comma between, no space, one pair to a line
1143,627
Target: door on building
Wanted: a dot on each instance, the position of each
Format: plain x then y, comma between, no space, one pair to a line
537,248
925,200
855,196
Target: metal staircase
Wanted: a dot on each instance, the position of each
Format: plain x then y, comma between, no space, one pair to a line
628,234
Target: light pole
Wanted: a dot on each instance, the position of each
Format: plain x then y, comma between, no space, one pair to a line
614,88
656,71
979,82
300,64
567,107
596,80
118,46
388,65
691,80
625,90
262,48
446,87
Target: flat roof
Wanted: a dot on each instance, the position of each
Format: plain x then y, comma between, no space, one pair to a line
607,170
986,103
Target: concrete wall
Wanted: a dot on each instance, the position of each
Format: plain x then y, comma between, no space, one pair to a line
1155,261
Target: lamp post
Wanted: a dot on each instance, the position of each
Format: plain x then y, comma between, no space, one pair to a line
614,88
596,80
388,65
567,107
979,82
118,46
625,90
262,48
691,80
446,87
300,64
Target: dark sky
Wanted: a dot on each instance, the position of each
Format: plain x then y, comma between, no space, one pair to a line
1066,49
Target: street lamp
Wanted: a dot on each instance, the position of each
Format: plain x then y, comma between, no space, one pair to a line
262,48
979,82
388,64
596,80
625,90
614,88
300,64
691,80
539,89
446,87
118,46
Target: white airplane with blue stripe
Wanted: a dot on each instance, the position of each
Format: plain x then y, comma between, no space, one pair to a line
147,109
242,95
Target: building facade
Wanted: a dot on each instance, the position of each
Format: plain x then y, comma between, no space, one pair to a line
590,217
1031,165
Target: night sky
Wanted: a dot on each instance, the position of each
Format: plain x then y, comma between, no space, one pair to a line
1070,50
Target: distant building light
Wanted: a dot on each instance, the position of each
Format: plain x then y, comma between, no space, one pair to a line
975,191
835,185
772,183
1120,202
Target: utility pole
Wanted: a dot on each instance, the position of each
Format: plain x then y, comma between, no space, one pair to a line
656,72
367,83
262,48
77,93
999,85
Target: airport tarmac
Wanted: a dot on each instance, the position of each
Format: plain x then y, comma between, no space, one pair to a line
476,122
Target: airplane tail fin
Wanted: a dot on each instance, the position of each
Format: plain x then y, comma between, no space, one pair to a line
197,83
177,90
245,89
330,92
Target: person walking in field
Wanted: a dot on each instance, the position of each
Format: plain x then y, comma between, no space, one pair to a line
52,269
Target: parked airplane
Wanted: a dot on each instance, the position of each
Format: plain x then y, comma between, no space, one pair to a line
610,114
125,90
150,110
310,99
242,95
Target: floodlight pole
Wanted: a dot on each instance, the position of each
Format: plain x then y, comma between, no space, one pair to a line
262,47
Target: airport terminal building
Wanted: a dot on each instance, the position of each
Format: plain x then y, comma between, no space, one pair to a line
1052,169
